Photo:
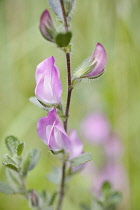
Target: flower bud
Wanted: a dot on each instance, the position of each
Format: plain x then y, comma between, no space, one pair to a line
93,67
48,85
47,27
52,133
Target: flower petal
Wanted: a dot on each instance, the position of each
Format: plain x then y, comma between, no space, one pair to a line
100,58
48,88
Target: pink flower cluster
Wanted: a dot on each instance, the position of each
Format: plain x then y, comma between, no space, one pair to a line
97,131
48,91
50,129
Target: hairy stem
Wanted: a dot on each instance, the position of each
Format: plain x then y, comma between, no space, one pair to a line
69,91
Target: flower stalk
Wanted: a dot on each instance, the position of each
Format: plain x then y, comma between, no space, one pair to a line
69,91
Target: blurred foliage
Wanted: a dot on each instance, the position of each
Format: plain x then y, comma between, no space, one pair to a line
114,23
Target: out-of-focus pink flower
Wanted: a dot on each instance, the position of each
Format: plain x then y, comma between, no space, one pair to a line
113,148
48,85
77,146
113,173
93,67
47,27
76,149
51,131
96,128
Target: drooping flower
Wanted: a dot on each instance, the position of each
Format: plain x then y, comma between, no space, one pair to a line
95,128
47,27
93,67
48,85
52,132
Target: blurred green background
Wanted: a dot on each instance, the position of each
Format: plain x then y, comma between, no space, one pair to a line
115,24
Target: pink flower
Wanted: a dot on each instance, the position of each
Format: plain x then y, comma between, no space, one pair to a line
48,85
52,133
95,128
99,58
47,27
76,148
113,148
92,67
113,173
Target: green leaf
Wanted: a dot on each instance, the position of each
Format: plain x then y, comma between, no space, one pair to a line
63,39
11,166
5,188
81,159
31,160
106,187
56,7
13,179
20,149
55,176
68,6
115,198
9,160
12,143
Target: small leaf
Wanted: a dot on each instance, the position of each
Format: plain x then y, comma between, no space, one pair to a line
55,176
8,159
115,198
56,7
106,187
63,39
68,6
31,160
81,159
12,143
20,149
11,166
13,179
5,188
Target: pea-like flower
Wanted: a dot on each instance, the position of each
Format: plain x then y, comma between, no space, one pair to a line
92,67
47,27
52,132
48,85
